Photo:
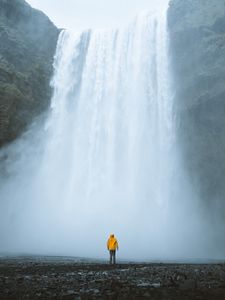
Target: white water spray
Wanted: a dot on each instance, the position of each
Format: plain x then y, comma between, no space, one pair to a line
105,160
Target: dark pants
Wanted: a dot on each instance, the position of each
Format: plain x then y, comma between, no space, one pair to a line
112,254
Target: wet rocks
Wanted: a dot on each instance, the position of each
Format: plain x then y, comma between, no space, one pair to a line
61,278
28,42
197,42
188,284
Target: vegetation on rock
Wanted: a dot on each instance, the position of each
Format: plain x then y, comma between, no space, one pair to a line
197,37
28,41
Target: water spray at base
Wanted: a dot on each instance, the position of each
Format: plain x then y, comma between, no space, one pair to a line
105,159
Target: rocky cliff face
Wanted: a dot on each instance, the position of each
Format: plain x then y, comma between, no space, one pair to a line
27,45
197,35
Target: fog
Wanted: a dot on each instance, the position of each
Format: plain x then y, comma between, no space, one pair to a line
105,157
82,14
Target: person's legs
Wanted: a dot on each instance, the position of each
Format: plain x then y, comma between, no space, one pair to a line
110,256
114,257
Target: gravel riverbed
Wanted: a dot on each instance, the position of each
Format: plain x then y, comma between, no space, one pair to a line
68,278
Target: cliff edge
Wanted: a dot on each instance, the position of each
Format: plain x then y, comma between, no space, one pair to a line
197,48
27,45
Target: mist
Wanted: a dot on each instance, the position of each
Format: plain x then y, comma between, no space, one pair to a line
83,14
105,158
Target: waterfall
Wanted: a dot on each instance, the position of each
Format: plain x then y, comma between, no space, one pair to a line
110,129
111,113
103,161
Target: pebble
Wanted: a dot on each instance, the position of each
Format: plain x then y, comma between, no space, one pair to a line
187,284
70,292
99,281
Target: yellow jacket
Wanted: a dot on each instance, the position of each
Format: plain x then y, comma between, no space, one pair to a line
112,243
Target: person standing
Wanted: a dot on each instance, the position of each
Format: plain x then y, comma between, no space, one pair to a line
112,246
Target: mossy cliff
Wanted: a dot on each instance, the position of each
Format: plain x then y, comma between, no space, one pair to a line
197,41
27,45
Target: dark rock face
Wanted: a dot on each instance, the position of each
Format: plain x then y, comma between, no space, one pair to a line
197,35
27,45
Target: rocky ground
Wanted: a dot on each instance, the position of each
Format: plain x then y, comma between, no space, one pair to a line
68,278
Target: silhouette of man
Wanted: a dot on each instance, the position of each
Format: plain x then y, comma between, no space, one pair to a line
112,246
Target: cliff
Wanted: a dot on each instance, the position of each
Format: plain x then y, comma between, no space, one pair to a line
197,49
27,45
197,41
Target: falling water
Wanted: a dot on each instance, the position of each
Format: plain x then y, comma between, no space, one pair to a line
104,160
110,127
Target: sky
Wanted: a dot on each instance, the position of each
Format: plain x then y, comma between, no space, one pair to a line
82,14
